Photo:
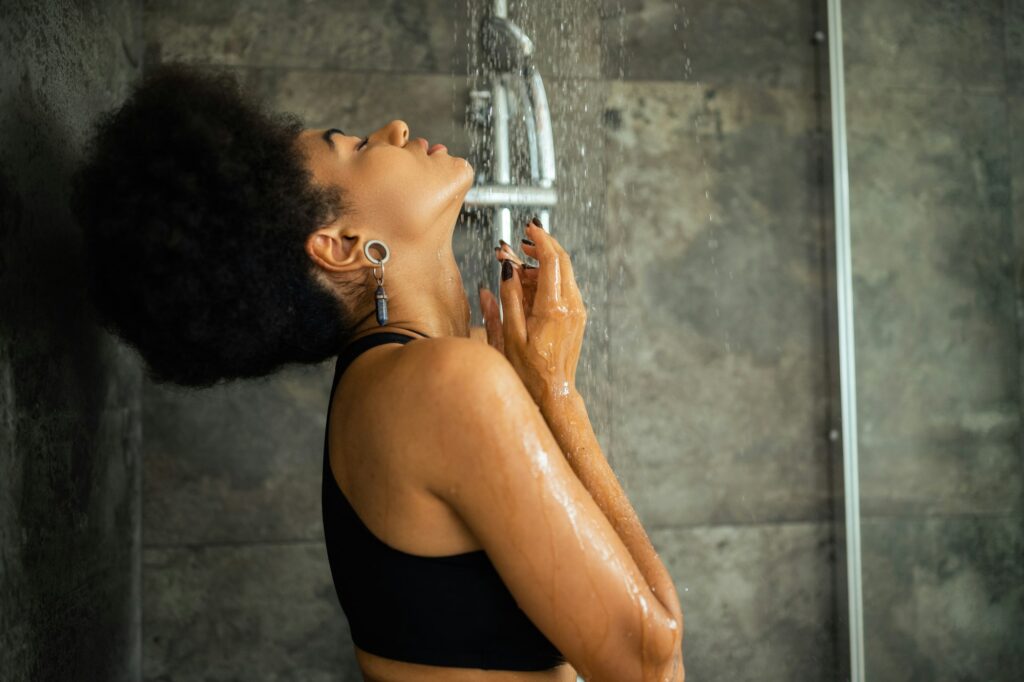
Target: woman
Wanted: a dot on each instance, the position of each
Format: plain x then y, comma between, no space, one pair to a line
474,528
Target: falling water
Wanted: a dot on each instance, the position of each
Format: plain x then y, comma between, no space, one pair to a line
581,51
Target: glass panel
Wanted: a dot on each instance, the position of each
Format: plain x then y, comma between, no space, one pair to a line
933,101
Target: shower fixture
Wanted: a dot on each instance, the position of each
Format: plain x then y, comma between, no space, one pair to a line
516,89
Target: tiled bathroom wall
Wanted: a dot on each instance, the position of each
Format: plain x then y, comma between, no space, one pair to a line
716,249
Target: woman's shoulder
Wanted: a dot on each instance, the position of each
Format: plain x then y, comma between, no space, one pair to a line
444,372
436,388
447,360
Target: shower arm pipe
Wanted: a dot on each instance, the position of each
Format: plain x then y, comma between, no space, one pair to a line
526,101
847,367
502,166
541,194
540,119
511,195
542,123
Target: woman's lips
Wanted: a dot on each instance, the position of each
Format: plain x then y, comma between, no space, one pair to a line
430,149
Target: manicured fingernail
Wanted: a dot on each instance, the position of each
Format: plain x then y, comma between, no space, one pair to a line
506,270
529,242
504,243
537,221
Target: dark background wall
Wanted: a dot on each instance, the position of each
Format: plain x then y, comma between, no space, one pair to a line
70,427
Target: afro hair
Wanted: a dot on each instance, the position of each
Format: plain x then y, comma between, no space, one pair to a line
195,204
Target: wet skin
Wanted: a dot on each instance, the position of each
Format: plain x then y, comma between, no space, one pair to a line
448,444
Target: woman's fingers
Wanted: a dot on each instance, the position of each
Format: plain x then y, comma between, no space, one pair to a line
514,322
568,289
528,280
492,319
527,273
505,250
549,287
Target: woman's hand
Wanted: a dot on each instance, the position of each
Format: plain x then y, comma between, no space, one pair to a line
544,317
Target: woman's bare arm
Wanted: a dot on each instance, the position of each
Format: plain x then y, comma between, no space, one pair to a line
569,422
541,333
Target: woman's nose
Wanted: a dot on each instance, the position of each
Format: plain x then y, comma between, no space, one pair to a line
396,132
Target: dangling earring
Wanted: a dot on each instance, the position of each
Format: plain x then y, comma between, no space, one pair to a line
381,296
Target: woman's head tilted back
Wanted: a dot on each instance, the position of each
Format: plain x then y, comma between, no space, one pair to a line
220,235
195,206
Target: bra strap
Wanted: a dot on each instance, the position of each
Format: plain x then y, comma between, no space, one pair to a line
365,343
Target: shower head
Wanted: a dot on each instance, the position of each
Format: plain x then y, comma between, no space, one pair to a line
506,46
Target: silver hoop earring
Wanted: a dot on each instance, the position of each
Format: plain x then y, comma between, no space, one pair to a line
381,297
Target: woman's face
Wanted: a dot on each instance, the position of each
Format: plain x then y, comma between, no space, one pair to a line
394,188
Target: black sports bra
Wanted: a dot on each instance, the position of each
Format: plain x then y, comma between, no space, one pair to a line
437,610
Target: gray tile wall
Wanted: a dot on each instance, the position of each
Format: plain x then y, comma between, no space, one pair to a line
70,436
935,168
716,253
689,151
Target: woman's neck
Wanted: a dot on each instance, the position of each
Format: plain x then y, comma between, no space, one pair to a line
431,304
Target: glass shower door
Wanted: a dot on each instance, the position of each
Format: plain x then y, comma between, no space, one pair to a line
933,104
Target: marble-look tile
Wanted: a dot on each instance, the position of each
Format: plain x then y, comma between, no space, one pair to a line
1015,46
758,601
730,42
936,327
1016,107
423,36
949,45
263,612
943,598
717,332
358,103
358,35
235,463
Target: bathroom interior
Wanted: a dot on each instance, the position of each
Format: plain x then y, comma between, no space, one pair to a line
798,227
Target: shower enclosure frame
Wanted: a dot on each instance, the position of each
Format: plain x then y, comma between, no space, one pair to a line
852,613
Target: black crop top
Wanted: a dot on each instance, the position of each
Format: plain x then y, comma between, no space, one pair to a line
441,610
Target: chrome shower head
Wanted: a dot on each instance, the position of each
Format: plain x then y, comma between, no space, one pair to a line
506,46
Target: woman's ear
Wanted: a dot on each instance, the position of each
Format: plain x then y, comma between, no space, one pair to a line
334,251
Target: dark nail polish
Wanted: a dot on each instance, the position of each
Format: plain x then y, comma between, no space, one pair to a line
497,248
537,221
506,270
529,242
504,243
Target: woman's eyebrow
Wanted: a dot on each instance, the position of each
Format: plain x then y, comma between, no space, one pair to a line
328,133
